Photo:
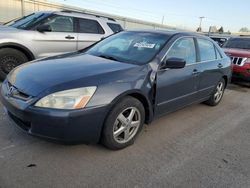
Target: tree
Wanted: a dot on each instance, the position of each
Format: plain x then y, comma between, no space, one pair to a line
221,30
244,29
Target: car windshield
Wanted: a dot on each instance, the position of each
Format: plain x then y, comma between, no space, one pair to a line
28,21
130,47
241,43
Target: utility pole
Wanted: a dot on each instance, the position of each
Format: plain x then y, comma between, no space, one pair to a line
201,18
22,7
162,21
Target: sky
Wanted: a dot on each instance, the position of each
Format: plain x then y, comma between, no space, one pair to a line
184,14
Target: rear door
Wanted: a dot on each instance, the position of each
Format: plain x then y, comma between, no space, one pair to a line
209,66
61,39
178,87
89,32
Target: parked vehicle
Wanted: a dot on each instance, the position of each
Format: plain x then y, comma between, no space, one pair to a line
107,92
221,40
44,34
238,49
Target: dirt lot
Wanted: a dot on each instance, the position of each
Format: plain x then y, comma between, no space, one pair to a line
198,146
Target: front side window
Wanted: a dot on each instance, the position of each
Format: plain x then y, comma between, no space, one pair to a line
60,24
90,26
29,21
130,47
207,50
184,49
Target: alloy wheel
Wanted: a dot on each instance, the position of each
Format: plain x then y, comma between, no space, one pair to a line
219,92
126,125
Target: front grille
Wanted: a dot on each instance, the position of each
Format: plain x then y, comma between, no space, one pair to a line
15,93
238,60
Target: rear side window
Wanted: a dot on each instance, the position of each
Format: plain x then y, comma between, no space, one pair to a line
184,49
115,27
207,50
90,26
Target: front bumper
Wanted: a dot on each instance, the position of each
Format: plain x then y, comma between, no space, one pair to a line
241,72
69,126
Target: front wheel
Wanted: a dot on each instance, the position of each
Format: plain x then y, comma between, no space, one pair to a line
218,93
9,59
123,124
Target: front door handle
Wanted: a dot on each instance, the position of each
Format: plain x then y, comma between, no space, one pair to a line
69,37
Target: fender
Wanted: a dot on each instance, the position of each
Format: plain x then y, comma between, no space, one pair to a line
141,97
20,47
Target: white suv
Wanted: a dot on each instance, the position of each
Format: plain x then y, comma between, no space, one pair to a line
44,34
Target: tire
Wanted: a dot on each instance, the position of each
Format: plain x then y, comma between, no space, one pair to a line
218,93
9,59
120,130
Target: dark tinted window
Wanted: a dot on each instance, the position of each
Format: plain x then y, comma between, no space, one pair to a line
90,26
61,24
207,50
184,49
115,27
241,43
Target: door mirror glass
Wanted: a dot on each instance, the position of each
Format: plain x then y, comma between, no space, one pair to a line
174,63
44,28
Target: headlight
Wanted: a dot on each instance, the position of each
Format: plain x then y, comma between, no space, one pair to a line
247,61
68,99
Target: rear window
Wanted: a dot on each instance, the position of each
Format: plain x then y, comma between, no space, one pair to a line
90,26
207,51
115,27
240,43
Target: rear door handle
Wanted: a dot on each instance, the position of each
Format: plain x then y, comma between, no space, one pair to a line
69,37
220,65
195,72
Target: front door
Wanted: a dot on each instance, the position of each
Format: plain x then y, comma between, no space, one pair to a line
60,39
176,88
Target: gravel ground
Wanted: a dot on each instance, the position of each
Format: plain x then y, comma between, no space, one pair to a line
199,146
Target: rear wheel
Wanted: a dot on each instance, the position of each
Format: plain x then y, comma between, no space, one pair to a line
9,59
218,93
123,124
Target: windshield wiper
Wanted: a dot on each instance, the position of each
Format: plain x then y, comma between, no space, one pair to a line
108,57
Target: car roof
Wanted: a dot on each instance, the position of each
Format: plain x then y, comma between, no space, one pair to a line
171,32
84,15
241,37
80,15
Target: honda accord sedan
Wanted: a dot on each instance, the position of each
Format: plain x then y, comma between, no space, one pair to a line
108,91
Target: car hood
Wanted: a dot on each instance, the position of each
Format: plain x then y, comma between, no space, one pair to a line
64,72
4,28
237,52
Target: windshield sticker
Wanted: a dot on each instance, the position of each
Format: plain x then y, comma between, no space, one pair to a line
144,45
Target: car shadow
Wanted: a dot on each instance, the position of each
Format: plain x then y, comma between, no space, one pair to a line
239,86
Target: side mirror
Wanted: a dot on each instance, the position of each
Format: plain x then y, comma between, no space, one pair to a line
44,28
174,63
